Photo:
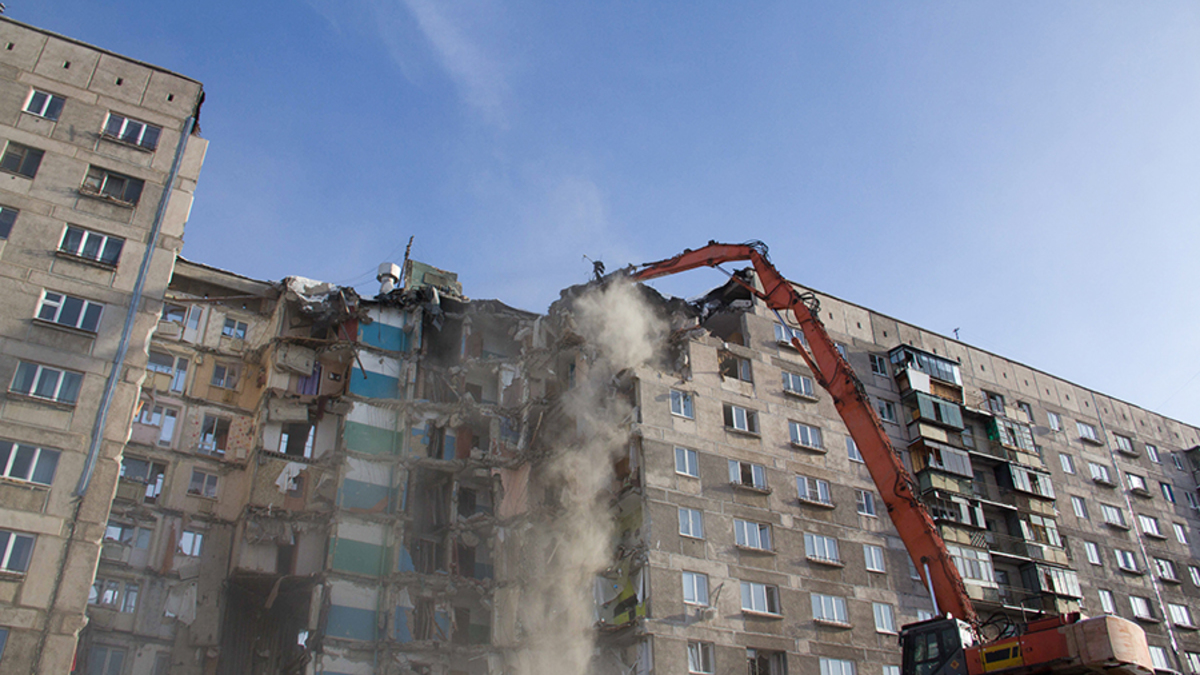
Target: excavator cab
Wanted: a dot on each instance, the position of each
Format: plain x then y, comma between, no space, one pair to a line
935,647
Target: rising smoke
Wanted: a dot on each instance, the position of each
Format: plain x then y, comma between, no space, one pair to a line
557,615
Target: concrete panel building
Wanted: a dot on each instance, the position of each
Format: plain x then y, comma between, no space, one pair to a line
99,164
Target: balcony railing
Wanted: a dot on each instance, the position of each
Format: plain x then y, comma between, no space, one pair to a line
1005,544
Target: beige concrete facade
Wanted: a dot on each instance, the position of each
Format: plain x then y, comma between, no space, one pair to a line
90,139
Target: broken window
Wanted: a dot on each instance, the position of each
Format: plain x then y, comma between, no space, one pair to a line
162,417
168,364
214,435
748,475
741,419
424,626
734,367
225,376
234,329
763,662
173,313
104,183
681,404
426,555
437,442
296,439
190,543
144,471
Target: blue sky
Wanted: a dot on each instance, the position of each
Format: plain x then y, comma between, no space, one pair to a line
1027,172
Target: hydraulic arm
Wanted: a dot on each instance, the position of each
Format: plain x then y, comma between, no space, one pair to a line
895,484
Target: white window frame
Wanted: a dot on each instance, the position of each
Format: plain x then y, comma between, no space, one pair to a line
1194,573
8,547
225,376
1124,444
1168,491
1180,533
749,534
800,385
1101,473
886,410
1087,431
784,334
1152,453
864,502
191,543
831,666
760,598
1126,560
178,369
885,618
1192,660
873,559
1055,420
131,131
1193,501
1165,569
1108,604
50,309
821,548
1079,507
682,404
700,657
687,462
98,247
853,452
806,435
813,490
829,609
1113,515
1142,607
1136,483
757,474
695,589
741,419
50,107
1149,526
209,484
1159,658
235,329
163,417
1092,551
879,365
691,523
61,377
23,462
973,564
1067,463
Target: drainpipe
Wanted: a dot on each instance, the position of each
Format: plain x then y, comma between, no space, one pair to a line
110,385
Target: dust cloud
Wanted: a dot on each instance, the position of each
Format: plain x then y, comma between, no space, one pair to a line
558,613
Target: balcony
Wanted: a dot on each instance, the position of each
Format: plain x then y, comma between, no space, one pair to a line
1022,599
931,479
1016,547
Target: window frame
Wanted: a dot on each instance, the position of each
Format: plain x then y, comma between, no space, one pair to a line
178,369
748,424
757,472
822,548
76,241
88,319
769,596
1152,453
887,613
1142,607
28,159
1087,431
1108,602
886,410
752,535
1079,507
798,385
832,666
50,108
701,660
190,544
690,459
698,586
152,415
874,554
686,404
829,609
1092,553
211,441
853,452
11,459
236,331
864,503
1180,533
122,135
1054,420
8,548
39,371
1127,560
1066,463
806,435
227,377
821,486
695,521
209,484
879,365
96,184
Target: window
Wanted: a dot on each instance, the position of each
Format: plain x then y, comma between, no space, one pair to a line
104,660
1165,569
923,614
1177,461
296,439
800,385
887,670
1107,603
972,564
8,218
1149,525
1100,473
695,588
47,383
173,314
1113,515
1093,552
1152,453
748,475
203,484
1192,500
27,462
874,558
45,105
21,160
829,608
15,551
1087,431
805,435
785,334
1124,444
700,657
841,349
1055,421
190,543
879,365
1126,560
1136,482
813,490
852,451
865,502
1194,572
681,404
741,419
69,311
1192,659
225,376
968,437
234,329
836,666
994,402
132,131
1067,462
1180,533
691,523
1159,658
821,548
1079,507
160,416
733,367
114,594
752,535
1168,492
687,462
101,248
1141,607
763,662
886,410
885,620
1026,411
128,535
107,184
214,435
760,598
168,364
144,471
